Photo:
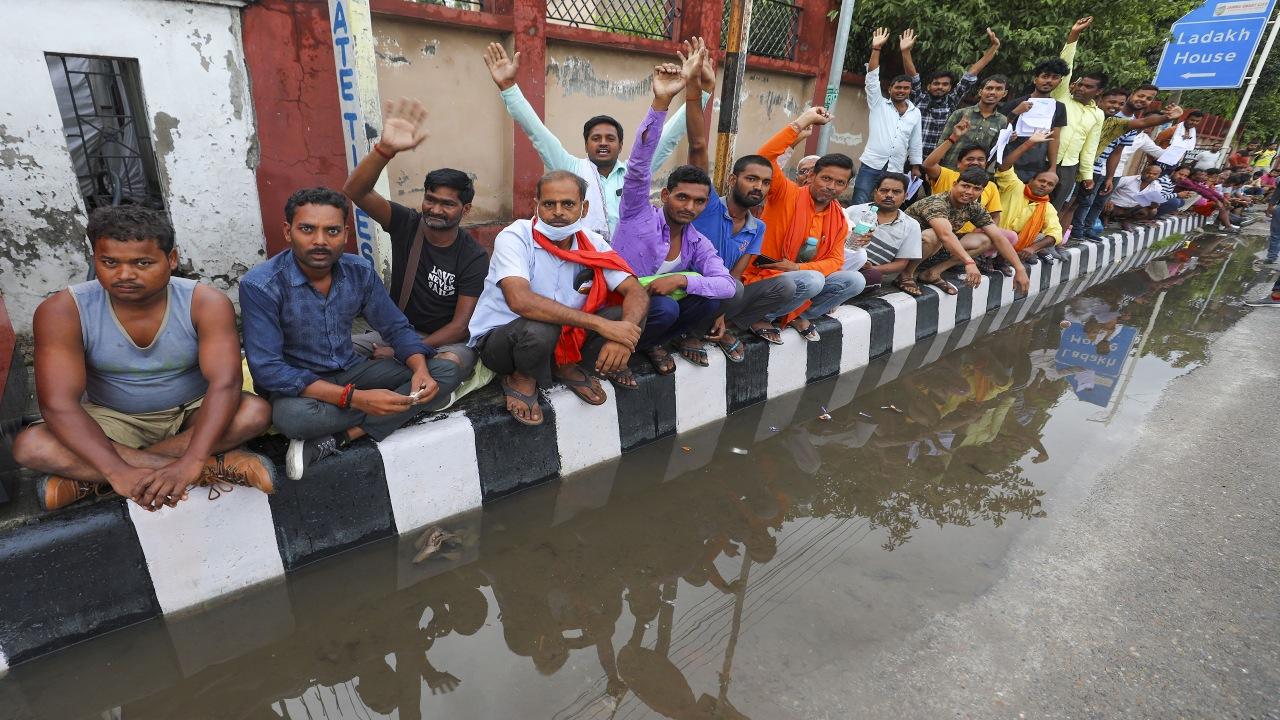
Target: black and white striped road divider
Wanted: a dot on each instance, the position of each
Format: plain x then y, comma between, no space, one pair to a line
89,570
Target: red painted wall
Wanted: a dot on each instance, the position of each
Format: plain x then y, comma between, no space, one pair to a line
295,97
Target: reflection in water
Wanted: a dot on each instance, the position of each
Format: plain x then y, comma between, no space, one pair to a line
651,593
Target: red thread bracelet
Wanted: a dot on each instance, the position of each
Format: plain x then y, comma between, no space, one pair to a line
377,147
344,400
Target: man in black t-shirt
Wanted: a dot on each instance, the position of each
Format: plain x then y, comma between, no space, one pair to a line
1045,79
448,275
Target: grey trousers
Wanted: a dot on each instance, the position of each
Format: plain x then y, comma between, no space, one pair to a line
751,303
300,418
529,346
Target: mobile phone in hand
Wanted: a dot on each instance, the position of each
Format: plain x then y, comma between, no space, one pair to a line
763,260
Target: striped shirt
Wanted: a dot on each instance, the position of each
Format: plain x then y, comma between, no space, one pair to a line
889,241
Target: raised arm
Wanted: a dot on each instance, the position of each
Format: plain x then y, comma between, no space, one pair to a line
982,62
1068,54
503,70
1012,157
906,41
933,163
403,128
696,59
778,144
1168,114
667,83
878,38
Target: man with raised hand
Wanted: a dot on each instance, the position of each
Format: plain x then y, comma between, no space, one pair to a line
1028,215
685,277
1078,145
804,237
942,94
556,302
437,268
894,133
940,215
602,136
1124,120
138,378
298,309
1038,111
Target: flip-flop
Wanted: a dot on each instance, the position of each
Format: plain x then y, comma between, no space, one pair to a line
810,334
620,377
580,388
736,352
942,285
530,402
662,361
770,335
695,355
908,286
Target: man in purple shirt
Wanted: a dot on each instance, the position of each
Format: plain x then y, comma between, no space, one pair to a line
691,278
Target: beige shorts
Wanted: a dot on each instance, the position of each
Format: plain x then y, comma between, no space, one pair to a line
141,430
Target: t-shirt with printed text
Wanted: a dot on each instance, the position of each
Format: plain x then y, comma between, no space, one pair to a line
443,273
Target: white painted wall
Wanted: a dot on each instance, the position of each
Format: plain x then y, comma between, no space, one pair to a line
199,111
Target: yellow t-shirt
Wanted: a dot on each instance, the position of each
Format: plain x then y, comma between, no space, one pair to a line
990,195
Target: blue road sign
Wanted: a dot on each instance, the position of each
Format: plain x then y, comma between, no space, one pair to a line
1213,45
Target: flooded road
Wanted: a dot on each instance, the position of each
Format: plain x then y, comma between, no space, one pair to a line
752,569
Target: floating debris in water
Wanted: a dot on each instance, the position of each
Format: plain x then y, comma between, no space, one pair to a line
739,451
865,415
1064,324
891,407
773,429
825,415
686,448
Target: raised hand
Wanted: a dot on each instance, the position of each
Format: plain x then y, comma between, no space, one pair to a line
1080,25
879,37
1173,112
691,57
907,40
667,82
708,72
404,125
962,127
502,69
1039,136
816,115
995,41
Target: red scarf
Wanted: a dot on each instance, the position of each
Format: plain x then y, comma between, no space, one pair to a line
569,347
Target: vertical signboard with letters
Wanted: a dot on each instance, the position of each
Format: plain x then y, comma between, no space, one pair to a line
1213,45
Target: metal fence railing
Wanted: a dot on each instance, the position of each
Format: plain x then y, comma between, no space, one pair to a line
641,18
775,28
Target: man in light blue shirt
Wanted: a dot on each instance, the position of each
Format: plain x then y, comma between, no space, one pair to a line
602,168
894,135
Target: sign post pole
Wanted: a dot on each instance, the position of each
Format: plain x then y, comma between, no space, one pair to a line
1253,83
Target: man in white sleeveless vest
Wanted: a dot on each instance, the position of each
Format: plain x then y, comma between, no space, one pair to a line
138,375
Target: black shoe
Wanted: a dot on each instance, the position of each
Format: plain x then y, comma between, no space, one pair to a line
304,453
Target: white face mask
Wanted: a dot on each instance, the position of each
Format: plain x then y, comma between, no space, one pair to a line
557,234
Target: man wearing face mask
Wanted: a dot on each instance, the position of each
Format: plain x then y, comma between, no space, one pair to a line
557,302
804,237
437,268
684,275
298,308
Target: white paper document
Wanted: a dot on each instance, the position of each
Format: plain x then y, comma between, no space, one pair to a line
1039,117
997,151
1178,146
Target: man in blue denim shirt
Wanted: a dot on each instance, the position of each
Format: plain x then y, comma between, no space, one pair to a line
298,308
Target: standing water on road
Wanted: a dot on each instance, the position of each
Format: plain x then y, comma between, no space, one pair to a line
734,572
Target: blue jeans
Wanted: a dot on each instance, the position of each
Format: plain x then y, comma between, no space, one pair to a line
668,319
1168,207
1089,205
864,183
825,292
1273,242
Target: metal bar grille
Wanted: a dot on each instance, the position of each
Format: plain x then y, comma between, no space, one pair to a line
104,120
641,18
775,29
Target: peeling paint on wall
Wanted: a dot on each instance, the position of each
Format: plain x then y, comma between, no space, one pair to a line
164,126
849,139
577,76
199,43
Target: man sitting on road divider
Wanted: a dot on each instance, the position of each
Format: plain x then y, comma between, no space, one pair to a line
942,249
1029,214
159,361
804,238
298,309
685,277
882,238
557,303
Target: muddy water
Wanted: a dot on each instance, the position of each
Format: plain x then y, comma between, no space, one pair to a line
700,577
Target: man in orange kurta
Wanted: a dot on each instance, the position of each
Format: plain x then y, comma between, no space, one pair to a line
805,230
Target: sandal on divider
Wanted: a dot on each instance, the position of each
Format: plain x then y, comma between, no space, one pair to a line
907,285
530,403
771,335
662,361
587,388
694,354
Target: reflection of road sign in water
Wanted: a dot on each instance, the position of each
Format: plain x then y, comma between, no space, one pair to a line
1213,45
1100,371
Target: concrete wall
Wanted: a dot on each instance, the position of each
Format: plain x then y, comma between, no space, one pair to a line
201,119
444,68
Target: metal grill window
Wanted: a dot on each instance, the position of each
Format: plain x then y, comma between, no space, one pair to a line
104,119
642,18
775,29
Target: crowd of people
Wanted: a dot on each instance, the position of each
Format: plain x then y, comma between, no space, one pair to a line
139,373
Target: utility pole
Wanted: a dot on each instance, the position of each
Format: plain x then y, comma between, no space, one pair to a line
837,68
735,66
1253,83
